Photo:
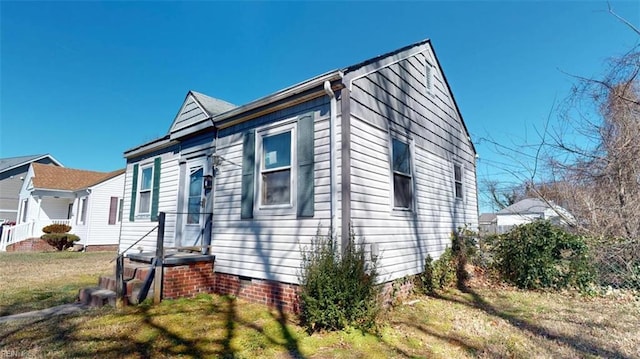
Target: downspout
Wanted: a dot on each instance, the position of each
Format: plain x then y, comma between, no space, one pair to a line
211,197
332,154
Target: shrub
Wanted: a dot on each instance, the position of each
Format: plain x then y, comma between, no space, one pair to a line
337,290
56,228
540,255
438,274
60,241
449,268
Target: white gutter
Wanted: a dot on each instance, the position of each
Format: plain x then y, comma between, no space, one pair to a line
332,154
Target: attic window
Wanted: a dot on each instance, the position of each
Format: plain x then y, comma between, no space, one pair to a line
430,78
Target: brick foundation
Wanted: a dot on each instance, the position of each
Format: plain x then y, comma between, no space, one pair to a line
279,295
188,280
397,290
31,245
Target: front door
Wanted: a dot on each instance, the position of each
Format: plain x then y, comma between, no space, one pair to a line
194,205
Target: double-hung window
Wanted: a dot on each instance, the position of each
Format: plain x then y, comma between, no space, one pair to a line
278,169
402,174
276,177
144,194
457,179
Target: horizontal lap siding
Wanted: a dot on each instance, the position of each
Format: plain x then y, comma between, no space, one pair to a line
132,231
267,247
99,231
392,101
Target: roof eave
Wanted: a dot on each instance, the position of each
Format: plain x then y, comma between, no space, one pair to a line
334,75
150,146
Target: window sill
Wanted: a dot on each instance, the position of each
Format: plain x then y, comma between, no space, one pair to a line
402,212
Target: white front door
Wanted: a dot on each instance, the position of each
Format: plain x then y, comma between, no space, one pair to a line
194,205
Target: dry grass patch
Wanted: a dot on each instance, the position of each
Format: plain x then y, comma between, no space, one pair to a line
32,281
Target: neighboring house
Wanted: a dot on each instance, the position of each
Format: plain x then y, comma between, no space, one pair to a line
379,146
488,223
90,202
529,210
12,173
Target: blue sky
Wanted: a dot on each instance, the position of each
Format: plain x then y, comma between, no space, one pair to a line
85,81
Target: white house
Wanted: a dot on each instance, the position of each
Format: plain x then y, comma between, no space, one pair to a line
529,210
380,146
90,202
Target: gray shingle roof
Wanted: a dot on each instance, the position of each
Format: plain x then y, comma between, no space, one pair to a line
527,205
212,105
11,162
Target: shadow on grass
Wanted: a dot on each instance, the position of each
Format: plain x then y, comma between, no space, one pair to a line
141,333
581,345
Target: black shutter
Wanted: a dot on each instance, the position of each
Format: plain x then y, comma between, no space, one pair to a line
155,193
248,176
305,145
134,193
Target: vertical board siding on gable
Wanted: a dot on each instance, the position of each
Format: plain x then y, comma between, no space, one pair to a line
267,247
393,102
100,232
189,114
168,191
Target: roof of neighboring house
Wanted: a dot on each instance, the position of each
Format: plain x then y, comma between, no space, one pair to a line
527,205
487,217
60,178
13,162
212,105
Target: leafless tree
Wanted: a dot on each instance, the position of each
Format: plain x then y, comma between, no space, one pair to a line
595,154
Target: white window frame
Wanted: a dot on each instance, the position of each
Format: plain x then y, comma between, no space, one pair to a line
430,79
24,211
82,210
140,191
462,196
120,210
410,143
261,133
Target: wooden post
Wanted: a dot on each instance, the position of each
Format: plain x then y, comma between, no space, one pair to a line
157,280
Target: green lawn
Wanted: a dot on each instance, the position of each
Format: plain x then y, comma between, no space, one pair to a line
30,281
481,322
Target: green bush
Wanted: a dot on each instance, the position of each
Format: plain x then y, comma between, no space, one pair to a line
337,290
60,241
438,274
56,228
449,268
540,255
